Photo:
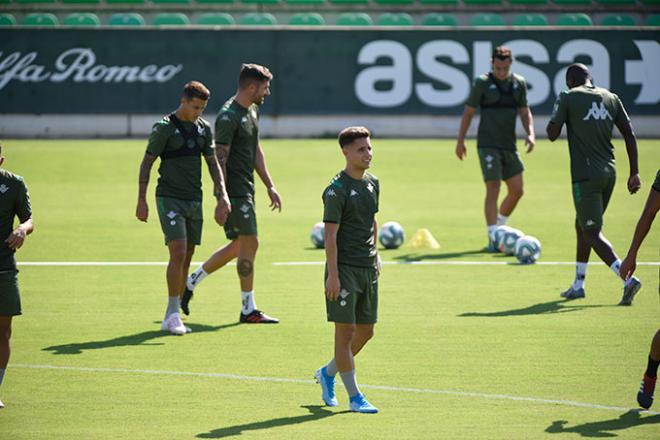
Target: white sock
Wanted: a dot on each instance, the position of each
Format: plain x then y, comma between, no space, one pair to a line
502,219
195,278
491,229
615,268
580,275
248,302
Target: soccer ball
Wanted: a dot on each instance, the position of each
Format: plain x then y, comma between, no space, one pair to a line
508,242
498,235
318,235
528,249
391,235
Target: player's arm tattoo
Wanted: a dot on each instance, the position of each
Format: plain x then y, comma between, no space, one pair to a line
216,175
222,154
145,171
244,267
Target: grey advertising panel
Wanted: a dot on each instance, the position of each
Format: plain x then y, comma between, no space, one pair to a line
317,72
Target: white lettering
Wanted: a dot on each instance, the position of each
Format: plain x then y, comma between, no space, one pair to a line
458,82
79,65
645,72
399,74
538,84
600,62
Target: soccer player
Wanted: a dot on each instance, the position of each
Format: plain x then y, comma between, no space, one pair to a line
628,265
352,264
590,113
501,96
240,154
179,139
14,202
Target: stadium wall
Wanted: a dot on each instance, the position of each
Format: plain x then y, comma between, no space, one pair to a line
115,82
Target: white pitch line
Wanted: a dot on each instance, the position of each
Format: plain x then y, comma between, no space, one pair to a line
462,263
571,403
309,263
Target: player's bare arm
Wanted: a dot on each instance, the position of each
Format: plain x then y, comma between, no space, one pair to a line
142,210
332,285
222,154
379,263
553,131
528,124
17,236
626,130
219,190
651,208
468,114
262,170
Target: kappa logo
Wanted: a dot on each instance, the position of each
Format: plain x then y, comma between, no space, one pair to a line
224,117
171,214
4,188
370,187
489,161
344,293
200,130
245,208
597,112
176,131
354,193
590,223
492,87
331,192
244,119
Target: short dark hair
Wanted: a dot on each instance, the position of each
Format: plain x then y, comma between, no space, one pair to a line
195,89
501,53
253,72
350,134
578,73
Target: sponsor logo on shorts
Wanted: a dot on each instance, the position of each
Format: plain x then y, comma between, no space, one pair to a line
590,223
4,188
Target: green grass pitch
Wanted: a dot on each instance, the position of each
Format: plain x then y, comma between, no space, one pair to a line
460,352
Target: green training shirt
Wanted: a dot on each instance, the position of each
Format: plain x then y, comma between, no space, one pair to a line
238,127
14,202
499,102
589,114
353,204
180,162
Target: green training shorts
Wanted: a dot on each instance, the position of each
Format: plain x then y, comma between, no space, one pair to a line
498,164
180,219
358,297
10,298
591,198
242,219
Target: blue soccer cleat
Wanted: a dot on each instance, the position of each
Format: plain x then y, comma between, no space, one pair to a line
327,386
573,293
630,290
361,405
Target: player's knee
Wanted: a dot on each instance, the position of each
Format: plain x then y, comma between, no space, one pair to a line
244,267
368,333
516,192
591,236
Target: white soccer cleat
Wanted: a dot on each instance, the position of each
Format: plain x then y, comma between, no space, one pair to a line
2,405
174,325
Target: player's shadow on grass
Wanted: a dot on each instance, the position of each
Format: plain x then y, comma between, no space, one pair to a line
316,412
136,339
602,429
557,306
441,256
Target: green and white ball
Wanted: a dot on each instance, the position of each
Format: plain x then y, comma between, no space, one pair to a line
508,242
391,235
318,235
528,249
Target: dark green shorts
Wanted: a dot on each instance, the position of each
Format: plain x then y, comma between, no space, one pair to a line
180,219
498,164
10,298
358,297
242,219
591,198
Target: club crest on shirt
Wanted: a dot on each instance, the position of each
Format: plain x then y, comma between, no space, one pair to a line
244,119
200,130
331,193
370,187
354,193
171,214
245,208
